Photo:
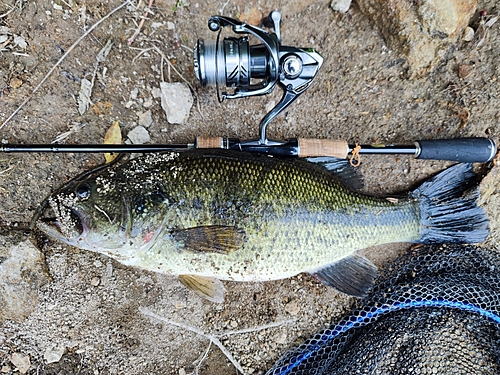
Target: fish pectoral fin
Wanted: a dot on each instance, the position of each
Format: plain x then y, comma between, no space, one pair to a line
354,275
209,288
211,238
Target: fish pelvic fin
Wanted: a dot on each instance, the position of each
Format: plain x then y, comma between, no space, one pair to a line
211,238
209,288
353,275
448,209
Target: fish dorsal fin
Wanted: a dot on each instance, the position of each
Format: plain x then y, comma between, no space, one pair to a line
211,238
209,288
353,275
341,168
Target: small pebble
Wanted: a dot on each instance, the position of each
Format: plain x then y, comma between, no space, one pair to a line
95,281
139,135
22,362
134,93
292,308
54,354
156,92
341,5
145,119
468,34
15,83
147,103
176,101
465,70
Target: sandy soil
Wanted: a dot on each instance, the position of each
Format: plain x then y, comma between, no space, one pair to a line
110,319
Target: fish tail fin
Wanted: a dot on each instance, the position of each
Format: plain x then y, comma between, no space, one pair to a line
448,209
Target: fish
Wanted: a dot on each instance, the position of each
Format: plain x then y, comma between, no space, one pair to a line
434,310
212,215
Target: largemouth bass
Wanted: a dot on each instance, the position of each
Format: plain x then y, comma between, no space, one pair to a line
207,215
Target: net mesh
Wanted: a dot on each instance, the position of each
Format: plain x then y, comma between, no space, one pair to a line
435,310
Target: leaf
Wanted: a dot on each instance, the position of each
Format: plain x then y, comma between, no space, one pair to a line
113,137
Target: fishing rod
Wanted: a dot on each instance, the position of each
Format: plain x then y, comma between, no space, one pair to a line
469,150
252,70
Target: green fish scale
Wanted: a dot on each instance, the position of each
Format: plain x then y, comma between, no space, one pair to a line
296,216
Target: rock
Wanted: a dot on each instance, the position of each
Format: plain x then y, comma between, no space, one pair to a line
21,362
422,30
134,93
139,135
20,42
465,70
293,308
22,272
468,34
15,83
147,103
340,5
145,119
176,101
156,92
54,354
489,199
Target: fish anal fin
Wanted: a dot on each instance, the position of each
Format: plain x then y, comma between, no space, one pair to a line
209,288
211,238
353,275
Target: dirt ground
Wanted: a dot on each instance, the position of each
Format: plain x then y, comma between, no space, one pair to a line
110,319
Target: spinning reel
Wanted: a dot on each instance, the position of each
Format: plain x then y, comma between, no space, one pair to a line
252,70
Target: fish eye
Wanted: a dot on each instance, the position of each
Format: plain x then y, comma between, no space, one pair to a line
83,191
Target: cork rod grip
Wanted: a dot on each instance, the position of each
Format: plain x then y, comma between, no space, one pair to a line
209,142
311,147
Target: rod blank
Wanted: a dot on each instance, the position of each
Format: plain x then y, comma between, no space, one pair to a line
91,148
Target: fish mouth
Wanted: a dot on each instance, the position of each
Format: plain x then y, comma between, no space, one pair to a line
70,229
75,217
